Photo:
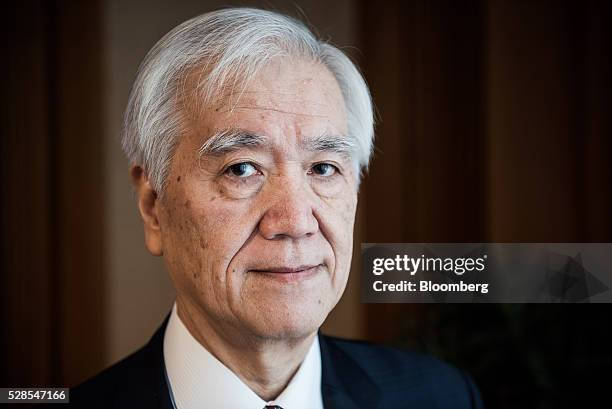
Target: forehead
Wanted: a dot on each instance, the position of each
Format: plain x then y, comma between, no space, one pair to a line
286,100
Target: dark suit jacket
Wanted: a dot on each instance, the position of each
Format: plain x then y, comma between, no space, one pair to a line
354,375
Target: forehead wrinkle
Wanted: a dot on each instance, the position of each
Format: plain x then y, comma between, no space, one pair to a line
225,98
274,110
232,100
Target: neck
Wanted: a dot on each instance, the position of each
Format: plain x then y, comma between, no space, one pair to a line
265,365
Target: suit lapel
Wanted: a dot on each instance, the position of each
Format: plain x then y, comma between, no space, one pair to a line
345,384
156,371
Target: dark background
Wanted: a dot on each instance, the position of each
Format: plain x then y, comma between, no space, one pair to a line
494,126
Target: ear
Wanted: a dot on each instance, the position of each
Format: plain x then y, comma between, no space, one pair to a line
148,205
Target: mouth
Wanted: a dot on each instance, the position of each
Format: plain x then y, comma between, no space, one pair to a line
289,273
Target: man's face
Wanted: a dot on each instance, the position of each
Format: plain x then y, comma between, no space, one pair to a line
258,238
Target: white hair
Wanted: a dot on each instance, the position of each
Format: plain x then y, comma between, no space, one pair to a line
230,45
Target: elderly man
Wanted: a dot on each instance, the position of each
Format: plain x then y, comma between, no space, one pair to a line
247,137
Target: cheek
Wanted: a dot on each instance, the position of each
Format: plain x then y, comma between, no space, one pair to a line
342,214
204,233
185,248
338,217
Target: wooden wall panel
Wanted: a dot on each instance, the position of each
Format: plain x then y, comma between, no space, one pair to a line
27,305
425,65
52,194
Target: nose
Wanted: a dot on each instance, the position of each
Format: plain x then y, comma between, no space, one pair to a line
289,211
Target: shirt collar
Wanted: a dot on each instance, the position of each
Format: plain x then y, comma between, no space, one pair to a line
197,379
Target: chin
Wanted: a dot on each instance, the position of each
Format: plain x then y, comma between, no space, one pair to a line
283,321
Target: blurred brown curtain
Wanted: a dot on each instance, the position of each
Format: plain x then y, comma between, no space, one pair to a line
52,193
494,125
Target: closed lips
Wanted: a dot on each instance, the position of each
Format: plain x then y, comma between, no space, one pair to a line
286,270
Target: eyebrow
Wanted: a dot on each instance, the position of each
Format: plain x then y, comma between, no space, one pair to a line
229,140
233,139
340,144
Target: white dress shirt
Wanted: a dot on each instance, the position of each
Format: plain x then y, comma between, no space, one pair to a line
198,380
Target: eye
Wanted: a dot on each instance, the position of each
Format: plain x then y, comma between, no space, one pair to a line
241,170
324,169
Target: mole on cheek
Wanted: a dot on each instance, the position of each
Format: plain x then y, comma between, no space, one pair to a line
169,216
203,243
178,179
187,204
197,269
